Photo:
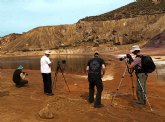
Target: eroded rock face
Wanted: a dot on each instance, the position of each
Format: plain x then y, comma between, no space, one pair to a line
157,41
8,38
140,20
89,33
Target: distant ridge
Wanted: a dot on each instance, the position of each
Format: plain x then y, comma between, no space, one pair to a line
129,11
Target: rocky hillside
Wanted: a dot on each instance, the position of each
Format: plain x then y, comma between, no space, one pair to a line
157,41
8,38
113,31
135,9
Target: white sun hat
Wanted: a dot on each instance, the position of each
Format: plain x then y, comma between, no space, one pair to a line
47,52
135,47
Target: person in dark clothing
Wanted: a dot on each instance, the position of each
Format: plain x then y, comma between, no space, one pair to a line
96,70
19,77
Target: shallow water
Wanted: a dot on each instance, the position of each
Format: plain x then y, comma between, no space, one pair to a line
74,63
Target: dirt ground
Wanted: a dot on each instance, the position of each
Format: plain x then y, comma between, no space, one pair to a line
23,104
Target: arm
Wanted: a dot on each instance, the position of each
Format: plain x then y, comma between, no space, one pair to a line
49,62
103,69
22,75
135,62
87,69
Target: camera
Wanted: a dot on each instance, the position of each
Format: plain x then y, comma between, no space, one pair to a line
61,62
60,65
129,57
25,73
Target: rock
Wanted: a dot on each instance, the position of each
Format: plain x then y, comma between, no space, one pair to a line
4,93
46,113
75,84
157,41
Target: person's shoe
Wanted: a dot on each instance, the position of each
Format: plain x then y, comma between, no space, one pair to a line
140,103
49,94
18,86
90,102
98,106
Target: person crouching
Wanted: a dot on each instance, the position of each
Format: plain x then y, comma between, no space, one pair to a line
19,77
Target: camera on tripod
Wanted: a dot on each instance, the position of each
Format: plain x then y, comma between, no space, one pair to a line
60,68
128,57
61,65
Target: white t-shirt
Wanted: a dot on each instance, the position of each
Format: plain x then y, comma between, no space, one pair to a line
45,61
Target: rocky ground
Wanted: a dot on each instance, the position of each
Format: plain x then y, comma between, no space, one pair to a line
23,104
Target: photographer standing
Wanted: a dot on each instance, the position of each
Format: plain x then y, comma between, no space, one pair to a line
19,77
140,74
96,70
46,73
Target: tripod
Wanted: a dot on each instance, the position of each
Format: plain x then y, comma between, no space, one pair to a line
130,72
55,77
145,95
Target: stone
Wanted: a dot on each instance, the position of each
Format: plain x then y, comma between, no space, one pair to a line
4,93
46,113
75,84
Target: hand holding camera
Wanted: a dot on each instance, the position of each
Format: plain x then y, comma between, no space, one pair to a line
25,73
128,58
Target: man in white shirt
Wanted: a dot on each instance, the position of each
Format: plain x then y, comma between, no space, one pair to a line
46,73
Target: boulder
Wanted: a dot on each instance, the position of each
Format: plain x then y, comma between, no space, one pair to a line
46,113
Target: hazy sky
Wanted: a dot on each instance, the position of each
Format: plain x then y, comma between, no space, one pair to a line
17,16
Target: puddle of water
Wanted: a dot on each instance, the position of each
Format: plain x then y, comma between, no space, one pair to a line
74,63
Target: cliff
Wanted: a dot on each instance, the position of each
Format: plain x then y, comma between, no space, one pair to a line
94,32
157,41
8,38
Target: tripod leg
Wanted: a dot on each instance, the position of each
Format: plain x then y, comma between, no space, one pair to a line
55,79
64,78
113,97
145,95
65,82
54,82
133,91
157,73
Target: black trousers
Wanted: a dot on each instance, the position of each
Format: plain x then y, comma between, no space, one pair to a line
47,81
99,85
21,83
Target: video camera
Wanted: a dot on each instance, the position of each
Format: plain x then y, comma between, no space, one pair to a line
129,57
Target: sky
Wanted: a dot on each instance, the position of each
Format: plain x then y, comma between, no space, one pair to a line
18,16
